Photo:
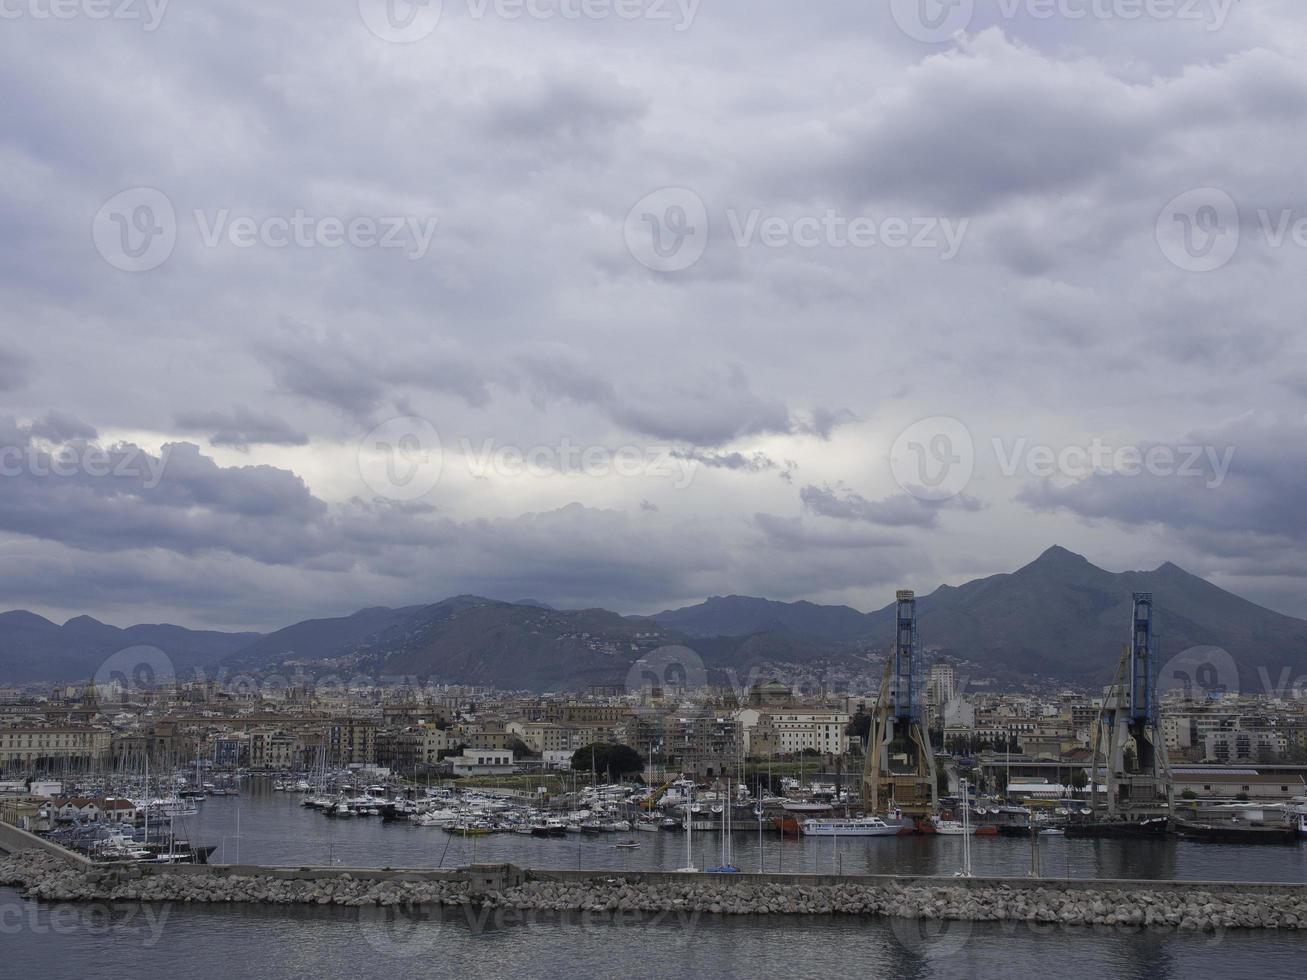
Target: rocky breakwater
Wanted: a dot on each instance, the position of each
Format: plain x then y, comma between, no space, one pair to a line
45,877
1201,908
1208,908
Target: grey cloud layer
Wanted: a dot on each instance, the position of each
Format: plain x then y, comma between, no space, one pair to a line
529,322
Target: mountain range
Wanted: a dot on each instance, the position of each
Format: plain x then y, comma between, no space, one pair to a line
1059,618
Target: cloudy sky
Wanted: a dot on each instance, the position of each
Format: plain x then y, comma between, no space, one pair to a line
310,306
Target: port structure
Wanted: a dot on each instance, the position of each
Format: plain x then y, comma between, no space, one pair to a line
1130,718
898,727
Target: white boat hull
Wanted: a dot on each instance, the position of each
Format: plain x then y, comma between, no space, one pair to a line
847,828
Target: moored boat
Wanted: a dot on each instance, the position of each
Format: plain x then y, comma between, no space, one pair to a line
1148,828
952,828
1236,832
851,827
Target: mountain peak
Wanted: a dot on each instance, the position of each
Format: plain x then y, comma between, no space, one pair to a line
23,617
1061,555
83,622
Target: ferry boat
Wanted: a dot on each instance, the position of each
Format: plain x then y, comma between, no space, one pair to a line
850,827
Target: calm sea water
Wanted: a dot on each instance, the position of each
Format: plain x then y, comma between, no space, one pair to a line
275,829
235,942
268,943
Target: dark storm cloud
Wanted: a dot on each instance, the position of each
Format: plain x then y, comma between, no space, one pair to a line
61,427
242,428
703,407
795,533
323,373
1258,495
13,370
897,510
824,421
357,377
740,462
566,113
530,320
1007,105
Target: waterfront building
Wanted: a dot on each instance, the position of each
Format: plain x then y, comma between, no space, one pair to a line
31,746
483,762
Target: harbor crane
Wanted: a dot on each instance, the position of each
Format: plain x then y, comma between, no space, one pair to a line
899,765
1131,716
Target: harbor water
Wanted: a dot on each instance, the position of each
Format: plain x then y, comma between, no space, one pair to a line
253,943
266,827
261,826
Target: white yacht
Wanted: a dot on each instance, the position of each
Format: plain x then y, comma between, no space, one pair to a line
850,827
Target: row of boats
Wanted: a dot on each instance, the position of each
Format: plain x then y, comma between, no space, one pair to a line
593,811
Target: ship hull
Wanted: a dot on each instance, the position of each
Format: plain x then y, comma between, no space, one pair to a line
1144,829
1218,834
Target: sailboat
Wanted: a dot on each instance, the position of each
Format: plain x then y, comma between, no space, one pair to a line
689,832
725,867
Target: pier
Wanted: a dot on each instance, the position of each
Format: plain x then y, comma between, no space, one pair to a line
45,874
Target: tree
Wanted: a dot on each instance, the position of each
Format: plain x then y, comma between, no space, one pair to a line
620,760
1079,779
859,726
1188,795
520,749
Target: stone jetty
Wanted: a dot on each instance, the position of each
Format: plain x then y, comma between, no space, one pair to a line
1198,906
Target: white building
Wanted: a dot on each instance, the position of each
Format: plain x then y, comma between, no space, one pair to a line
788,731
484,762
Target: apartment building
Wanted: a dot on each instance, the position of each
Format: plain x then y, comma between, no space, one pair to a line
789,731
409,748
28,745
273,750
352,741
544,736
